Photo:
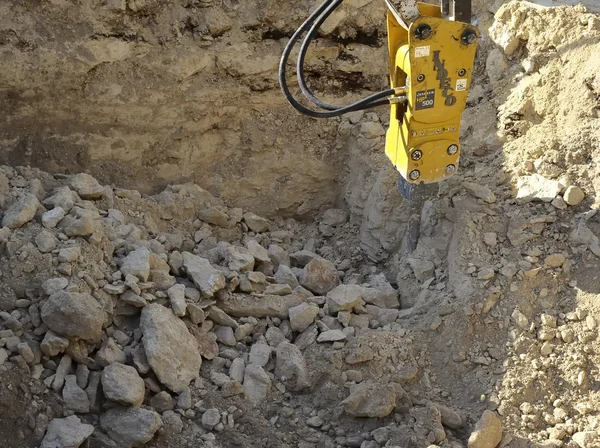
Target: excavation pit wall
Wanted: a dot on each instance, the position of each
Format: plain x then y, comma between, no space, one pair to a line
486,335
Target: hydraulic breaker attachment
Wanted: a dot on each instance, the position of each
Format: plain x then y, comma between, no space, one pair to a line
431,56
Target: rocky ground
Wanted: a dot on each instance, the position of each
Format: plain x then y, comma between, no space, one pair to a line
179,320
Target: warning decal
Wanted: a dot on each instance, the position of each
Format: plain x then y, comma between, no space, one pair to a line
421,52
461,85
425,99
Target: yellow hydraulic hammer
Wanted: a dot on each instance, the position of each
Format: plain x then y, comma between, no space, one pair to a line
431,56
432,62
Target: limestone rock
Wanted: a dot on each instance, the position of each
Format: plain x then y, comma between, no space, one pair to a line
479,191
286,276
62,197
487,432
79,223
206,278
53,344
320,276
21,212
51,218
213,215
137,263
344,298
573,195
75,399
257,251
239,259
585,439
123,385
130,427
240,305
45,241
423,269
176,295
371,400
302,316
86,186
536,187
331,336
74,314
66,433
211,418
257,384
554,260
256,223
335,217
171,350
291,367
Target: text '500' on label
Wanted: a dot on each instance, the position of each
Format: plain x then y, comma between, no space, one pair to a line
421,52
425,99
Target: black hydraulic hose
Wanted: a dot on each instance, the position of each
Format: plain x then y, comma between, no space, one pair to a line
366,103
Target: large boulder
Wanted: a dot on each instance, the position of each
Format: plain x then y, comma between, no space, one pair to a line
371,400
75,315
21,212
171,350
291,367
123,385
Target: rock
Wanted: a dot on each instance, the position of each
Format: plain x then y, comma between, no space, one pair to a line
239,259
490,239
320,276
69,254
559,203
585,439
64,367
218,316
21,212
184,401
240,305
428,423
291,367
344,298
79,223
302,258
171,350
66,433
370,400
207,344
45,241
536,187
573,195
86,186
487,432
51,218
257,251
206,278
331,336
74,314
232,388
256,384
285,275
75,399
335,217
259,354
302,316
211,418
520,319
278,290
371,129
172,421
496,64
256,223
486,273
110,353
53,344
214,216
196,313
137,263
226,336
162,402
53,285
176,295
123,385
236,371
130,427
63,198
479,191
450,418
423,269
554,260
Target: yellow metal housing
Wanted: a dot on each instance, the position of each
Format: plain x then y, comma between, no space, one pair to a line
423,137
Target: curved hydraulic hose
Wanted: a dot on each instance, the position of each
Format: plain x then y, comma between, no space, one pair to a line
322,12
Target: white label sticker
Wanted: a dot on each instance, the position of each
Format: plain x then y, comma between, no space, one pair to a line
461,84
421,52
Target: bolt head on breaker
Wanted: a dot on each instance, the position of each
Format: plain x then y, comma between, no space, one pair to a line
433,59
